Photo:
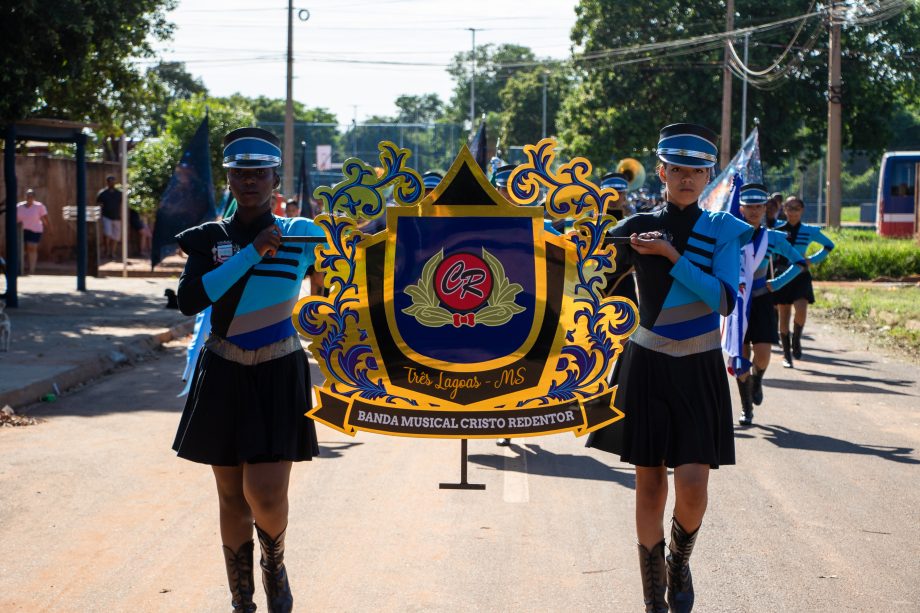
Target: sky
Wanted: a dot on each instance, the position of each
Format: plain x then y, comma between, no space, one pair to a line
240,46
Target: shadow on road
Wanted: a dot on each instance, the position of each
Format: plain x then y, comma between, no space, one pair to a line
818,386
328,451
852,378
820,359
791,439
542,462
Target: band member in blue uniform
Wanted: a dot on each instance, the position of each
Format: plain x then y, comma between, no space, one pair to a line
621,283
672,383
799,293
750,330
245,413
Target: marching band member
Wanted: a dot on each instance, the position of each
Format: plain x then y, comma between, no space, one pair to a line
620,284
672,384
751,328
798,294
245,413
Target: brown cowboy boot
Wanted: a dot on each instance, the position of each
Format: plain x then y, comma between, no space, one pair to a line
274,575
239,576
652,568
680,581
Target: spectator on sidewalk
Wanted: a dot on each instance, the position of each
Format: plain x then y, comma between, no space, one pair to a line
33,216
110,201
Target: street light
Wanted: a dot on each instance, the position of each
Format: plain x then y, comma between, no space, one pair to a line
473,82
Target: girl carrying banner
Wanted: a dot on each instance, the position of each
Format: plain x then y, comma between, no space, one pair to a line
750,329
671,380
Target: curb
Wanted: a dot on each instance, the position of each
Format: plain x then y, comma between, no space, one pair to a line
92,368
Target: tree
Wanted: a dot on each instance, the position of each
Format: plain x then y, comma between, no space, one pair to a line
75,59
522,105
426,108
616,109
494,66
168,82
151,164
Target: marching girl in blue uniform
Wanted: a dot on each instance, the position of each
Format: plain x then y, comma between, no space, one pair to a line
672,383
750,330
799,293
245,412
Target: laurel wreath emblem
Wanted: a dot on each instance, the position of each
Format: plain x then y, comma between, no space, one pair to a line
427,309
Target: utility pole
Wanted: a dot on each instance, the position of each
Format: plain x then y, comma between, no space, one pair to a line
725,153
747,40
473,83
289,109
545,73
834,109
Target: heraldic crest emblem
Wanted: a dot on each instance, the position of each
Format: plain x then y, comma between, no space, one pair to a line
467,316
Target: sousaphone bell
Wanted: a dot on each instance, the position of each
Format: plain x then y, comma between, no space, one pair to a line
632,169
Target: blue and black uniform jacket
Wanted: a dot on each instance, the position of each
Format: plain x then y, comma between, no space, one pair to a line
803,235
680,304
252,296
777,246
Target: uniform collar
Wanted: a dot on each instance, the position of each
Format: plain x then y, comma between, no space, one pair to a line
688,210
262,221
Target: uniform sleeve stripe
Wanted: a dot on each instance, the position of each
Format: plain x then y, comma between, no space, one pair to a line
698,251
289,249
274,273
703,238
284,261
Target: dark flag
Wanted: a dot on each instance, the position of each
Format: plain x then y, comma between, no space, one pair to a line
189,198
478,146
304,190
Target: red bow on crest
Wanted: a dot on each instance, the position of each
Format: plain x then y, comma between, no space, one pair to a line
468,319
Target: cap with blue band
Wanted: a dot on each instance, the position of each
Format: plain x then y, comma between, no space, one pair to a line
687,144
431,179
251,148
753,193
502,174
615,180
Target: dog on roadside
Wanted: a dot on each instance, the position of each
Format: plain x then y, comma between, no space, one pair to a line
6,328
172,301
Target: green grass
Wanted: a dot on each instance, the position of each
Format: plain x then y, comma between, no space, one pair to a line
888,314
862,255
850,213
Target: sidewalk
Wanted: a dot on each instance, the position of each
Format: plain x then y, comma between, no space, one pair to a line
65,338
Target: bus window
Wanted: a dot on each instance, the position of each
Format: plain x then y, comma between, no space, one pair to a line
902,179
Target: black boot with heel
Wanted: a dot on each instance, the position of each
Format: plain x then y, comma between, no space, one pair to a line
787,350
239,576
797,341
274,574
747,407
654,578
680,581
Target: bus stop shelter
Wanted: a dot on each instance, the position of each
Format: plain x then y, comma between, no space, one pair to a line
49,131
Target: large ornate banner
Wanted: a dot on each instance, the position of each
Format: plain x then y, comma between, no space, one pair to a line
466,316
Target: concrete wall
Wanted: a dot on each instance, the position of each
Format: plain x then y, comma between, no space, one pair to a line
55,183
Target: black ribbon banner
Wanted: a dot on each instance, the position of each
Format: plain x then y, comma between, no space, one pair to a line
349,415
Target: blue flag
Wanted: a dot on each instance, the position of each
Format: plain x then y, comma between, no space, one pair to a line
189,198
478,146
745,167
303,184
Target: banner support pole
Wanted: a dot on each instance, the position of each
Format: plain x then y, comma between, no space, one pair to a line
464,484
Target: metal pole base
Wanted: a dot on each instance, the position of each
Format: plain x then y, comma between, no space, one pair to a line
464,484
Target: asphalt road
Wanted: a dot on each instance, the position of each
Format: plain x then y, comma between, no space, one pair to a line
820,514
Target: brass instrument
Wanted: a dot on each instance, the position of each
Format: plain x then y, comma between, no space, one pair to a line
632,169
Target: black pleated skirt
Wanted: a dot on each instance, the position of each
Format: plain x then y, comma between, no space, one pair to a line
678,410
236,413
798,288
763,321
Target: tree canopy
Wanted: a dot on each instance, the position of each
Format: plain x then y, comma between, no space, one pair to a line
617,106
75,59
494,66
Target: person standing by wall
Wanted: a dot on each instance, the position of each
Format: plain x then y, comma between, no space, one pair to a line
109,199
33,216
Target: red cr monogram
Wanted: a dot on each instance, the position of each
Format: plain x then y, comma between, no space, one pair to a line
463,282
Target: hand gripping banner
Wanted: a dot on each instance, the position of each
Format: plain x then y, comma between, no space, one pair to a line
466,317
